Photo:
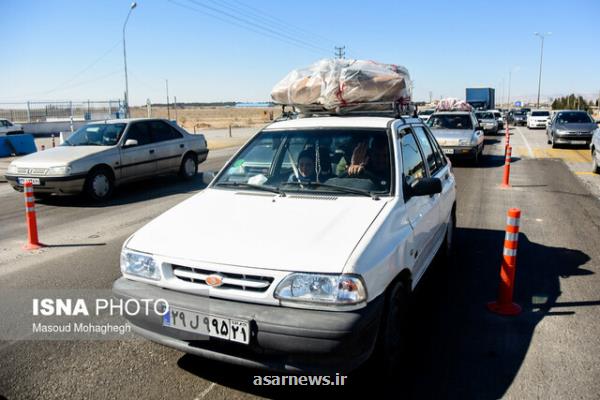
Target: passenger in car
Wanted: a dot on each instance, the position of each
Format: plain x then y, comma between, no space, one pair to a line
306,167
373,163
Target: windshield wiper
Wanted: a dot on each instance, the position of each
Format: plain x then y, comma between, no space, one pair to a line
251,186
343,189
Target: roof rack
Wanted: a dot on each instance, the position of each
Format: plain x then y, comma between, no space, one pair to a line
394,109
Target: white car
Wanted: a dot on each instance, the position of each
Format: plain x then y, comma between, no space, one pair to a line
295,257
595,148
425,114
538,119
103,155
8,128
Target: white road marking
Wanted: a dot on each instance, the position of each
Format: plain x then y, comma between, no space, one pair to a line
206,391
526,142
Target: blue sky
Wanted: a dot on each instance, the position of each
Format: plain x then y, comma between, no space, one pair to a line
71,50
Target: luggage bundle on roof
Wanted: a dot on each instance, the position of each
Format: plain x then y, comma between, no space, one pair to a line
452,104
336,84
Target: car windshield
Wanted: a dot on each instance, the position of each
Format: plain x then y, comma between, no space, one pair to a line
573,118
96,135
314,160
485,115
448,121
540,113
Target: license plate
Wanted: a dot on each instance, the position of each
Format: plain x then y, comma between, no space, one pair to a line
34,181
578,142
234,330
448,151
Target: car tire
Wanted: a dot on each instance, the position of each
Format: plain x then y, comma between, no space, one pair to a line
189,166
595,166
392,342
99,184
552,142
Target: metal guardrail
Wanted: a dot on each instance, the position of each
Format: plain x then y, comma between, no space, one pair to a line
45,111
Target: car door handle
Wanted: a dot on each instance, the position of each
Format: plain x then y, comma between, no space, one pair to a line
447,176
181,146
151,151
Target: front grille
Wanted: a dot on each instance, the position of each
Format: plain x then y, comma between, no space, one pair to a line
250,283
23,170
38,171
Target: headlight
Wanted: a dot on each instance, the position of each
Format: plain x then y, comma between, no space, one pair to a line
138,264
322,289
62,170
12,169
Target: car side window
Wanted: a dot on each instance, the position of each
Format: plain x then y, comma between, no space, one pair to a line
141,132
163,131
437,150
413,166
434,163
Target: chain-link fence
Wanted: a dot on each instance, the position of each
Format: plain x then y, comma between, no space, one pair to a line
37,111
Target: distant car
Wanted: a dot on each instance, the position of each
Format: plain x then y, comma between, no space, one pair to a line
458,133
595,148
518,117
538,119
570,127
488,121
425,114
102,155
499,118
8,128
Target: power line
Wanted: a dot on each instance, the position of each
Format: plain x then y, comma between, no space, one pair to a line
250,26
257,25
277,21
340,52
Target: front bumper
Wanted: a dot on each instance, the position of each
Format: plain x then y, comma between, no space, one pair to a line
281,339
71,184
460,151
537,124
573,138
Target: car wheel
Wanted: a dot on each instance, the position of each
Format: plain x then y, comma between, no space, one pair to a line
552,142
99,184
189,167
392,344
595,166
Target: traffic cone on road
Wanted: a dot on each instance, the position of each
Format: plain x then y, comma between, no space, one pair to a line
33,242
504,305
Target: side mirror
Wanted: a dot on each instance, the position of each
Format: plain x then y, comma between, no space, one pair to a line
426,187
130,143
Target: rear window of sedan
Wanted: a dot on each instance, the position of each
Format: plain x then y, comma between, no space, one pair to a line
540,113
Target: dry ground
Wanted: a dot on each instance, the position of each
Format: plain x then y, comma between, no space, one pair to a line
212,117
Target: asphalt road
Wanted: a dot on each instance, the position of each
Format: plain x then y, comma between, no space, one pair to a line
460,350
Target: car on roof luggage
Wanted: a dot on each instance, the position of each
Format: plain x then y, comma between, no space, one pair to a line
314,235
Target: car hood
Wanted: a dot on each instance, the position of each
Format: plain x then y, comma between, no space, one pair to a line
452,134
293,233
56,156
586,127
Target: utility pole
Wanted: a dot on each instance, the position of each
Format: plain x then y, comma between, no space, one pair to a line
340,52
131,7
175,104
168,108
541,36
430,96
